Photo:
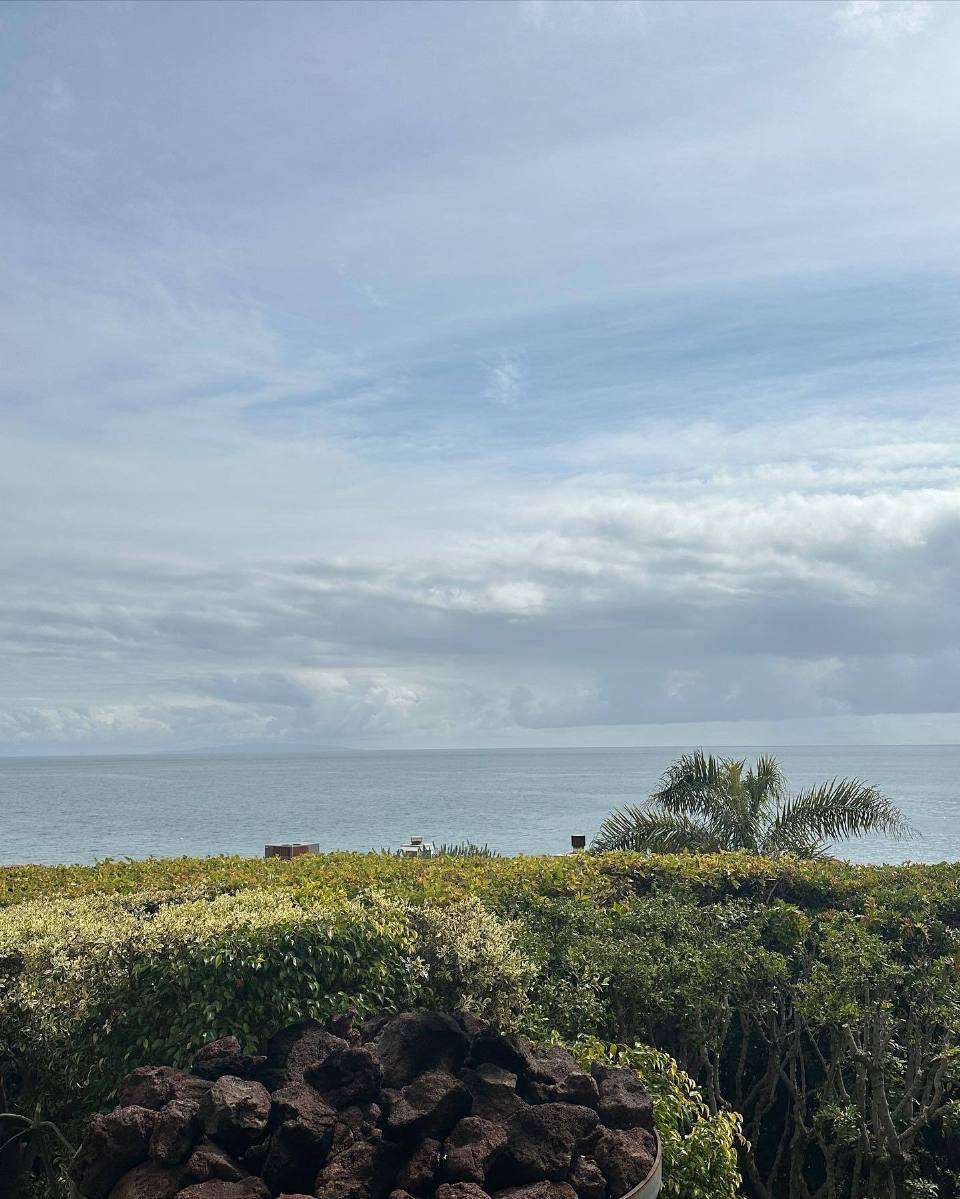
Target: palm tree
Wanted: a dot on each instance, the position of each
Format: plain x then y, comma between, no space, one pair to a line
706,805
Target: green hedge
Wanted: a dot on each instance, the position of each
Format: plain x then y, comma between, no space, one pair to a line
92,986
816,886
820,1000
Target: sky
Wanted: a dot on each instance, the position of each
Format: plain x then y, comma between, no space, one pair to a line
431,375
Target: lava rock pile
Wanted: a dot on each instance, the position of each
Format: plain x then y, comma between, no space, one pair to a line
420,1105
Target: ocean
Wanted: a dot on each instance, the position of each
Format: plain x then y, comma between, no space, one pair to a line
518,801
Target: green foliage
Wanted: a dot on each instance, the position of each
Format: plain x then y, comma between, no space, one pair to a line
709,805
472,961
814,997
466,849
89,989
699,1146
92,986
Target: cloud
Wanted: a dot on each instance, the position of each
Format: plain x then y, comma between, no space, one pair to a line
883,18
505,382
546,393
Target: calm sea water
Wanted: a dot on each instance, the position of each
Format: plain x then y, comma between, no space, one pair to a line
517,801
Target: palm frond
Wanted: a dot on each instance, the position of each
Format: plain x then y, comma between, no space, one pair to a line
652,831
766,781
696,784
833,811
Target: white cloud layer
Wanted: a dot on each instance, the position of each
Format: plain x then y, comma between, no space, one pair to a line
491,375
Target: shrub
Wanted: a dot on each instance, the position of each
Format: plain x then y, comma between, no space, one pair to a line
699,1146
472,960
815,998
89,989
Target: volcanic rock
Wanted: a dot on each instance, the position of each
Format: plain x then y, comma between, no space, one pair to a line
389,1109
113,1143
373,1026
209,1161
416,1042
623,1101
247,1188
587,1179
225,1056
552,1064
542,1140
175,1130
364,1170
300,1108
419,1174
291,1050
494,1091
539,1190
471,1148
148,1181
429,1106
235,1112
356,1123
509,1052
154,1086
625,1157
461,1190
341,1024
348,1074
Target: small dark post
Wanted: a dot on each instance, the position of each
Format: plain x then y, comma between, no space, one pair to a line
578,841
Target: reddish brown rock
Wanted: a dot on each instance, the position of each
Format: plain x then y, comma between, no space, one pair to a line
301,1139
539,1190
148,1181
415,1043
623,1101
579,1088
388,1110
235,1112
542,1140
225,1056
247,1188
299,1107
429,1106
587,1180
461,1190
364,1170
511,1053
155,1086
625,1157
112,1145
348,1075
341,1024
419,1174
576,1088
552,1064
175,1130
293,1049
471,1149
209,1161
373,1026
494,1091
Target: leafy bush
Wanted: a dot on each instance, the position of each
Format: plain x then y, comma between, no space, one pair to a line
92,986
472,961
820,1000
89,988
466,849
699,1146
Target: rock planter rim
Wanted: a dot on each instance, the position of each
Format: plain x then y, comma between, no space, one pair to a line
650,1187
